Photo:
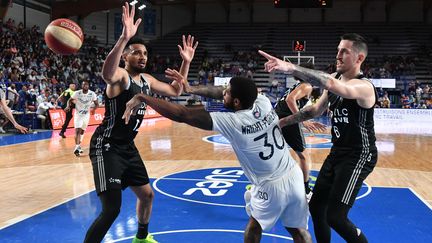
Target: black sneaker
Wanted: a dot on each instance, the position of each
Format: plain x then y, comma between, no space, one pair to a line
77,152
62,135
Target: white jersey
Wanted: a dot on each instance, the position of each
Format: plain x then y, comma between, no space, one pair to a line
257,140
83,101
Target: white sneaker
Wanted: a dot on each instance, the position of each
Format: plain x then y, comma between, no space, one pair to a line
2,130
78,150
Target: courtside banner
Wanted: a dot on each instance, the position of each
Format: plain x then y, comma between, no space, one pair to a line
415,115
58,116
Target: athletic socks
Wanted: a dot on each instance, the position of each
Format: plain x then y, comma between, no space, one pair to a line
142,231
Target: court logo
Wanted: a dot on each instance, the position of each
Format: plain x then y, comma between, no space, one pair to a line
215,186
316,141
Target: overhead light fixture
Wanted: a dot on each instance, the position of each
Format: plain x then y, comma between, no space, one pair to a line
142,7
133,2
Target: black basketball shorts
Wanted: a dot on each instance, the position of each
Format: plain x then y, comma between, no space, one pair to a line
116,166
342,174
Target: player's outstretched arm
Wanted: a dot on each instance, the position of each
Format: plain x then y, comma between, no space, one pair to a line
111,72
10,117
352,89
307,112
197,117
209,91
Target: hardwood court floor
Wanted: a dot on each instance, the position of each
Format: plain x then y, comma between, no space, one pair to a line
37,175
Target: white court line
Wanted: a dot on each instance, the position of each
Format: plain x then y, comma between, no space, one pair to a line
412,190
202,230
26,216
421,199
369,188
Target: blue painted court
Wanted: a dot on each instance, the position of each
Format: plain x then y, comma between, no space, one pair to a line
207,206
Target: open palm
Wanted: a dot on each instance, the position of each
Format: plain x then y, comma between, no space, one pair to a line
129,27
187,52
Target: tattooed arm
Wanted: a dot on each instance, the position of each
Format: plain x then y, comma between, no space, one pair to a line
314,77
307,112
214,92
361,90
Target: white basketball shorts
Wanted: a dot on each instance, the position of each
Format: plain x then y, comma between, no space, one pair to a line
284,198
81,121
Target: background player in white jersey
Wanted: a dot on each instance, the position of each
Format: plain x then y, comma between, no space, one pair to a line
254,133
83,100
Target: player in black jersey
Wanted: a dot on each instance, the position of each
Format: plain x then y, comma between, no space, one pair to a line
353,155
115,159
294,99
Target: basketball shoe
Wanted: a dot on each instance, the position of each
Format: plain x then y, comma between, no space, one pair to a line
148,239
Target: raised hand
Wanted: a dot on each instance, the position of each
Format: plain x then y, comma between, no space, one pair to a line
274,63
187,52
129,27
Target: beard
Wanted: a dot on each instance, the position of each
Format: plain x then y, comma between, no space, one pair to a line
137,69
229,105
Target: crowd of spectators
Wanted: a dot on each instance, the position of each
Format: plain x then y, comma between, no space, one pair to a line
237,63
32,75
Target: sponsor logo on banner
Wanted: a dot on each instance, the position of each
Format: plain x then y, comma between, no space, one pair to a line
416,115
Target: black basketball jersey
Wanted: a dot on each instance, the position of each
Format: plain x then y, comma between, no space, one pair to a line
281,106
352,125
113,128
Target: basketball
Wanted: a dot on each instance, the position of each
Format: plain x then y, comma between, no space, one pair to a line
64,36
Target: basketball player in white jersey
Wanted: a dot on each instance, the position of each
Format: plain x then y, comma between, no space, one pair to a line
83,99
253,130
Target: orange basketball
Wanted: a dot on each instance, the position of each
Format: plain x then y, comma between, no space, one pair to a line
64,36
